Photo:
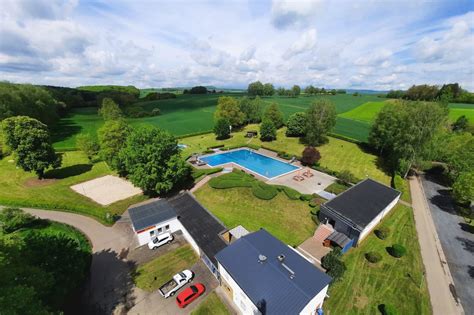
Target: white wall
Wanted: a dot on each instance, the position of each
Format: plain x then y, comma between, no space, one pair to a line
240,299
145,236
315,303
377,220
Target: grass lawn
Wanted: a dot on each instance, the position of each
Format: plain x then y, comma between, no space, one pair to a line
365,112
365,285
19,188
211,305
455,113
288,220
337,155
154,274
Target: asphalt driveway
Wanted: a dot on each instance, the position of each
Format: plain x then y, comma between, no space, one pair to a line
456,239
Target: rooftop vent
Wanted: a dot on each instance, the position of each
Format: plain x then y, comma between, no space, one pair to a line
281,259
262,258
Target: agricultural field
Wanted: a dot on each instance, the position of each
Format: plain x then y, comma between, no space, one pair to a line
188,114
395,281
455,113
365,112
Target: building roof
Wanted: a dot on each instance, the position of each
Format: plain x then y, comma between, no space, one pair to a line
269,281
238,231
151,213
361,203
204,228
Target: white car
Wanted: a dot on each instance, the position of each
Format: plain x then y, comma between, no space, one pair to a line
177,282
159,240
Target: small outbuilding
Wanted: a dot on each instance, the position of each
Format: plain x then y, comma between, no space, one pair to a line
262,275
357,211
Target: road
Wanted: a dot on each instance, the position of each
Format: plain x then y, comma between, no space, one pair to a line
438,275
457,239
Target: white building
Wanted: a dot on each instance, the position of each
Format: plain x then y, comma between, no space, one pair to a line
262,275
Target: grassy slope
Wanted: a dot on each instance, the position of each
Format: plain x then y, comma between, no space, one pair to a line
289,220
194,113
154,274
365,112
337,154
16,188
365,286
211,305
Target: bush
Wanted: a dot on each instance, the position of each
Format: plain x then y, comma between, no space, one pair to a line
316,202
268,131
336,188
232,180
306,197
290,192
264,191
346,177
333,264
397,250
296,125
310,156
253,146
13,219
215,146
136,111
382,232
87,144
284,155
387,309
221,128
156,111
373,257
208,151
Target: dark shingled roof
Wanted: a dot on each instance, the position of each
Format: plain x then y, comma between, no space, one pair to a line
151,213
270,281
361,203
203,227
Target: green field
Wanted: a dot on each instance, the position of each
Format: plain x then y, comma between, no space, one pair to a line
398,282
19,188
365,112
188,114
455,113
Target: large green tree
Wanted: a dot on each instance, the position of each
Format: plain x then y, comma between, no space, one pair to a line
296,90
88,144
255,88
268,89
403,131
274,114
110,110
463,188
152,161
228,107
268,131
252,109
320,119
296,125
30,140
112,137
222,128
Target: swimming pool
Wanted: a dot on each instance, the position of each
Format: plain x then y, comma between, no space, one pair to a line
255,162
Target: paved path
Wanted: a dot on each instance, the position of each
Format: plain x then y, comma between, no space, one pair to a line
437,272
457,239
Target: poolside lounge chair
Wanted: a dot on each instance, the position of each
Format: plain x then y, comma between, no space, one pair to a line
200,163
308,173
298,178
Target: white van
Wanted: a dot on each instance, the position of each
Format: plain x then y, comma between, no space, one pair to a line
159,240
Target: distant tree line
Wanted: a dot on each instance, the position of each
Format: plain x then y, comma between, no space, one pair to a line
200,90
311,90
259,89
452,93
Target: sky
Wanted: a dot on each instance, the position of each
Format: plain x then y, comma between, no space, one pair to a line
363,44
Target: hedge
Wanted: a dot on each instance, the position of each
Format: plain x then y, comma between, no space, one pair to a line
306,197
382,232
373,257
264,191
216,146
194,134
316,202
198,172
397,250
289,192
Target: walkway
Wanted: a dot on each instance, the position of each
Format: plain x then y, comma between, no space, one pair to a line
437,272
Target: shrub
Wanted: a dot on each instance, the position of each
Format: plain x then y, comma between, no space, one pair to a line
215,146
221,128
373,257
290,192
310,156
316,202
156,111
268,131
87,144
136,111
13,219
336,188
284,155
264,191
382,232
231,180
346,177
253,146
387,309
208,151
296,125
333,264
306,197
397,250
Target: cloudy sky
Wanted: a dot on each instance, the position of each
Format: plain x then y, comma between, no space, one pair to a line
364,44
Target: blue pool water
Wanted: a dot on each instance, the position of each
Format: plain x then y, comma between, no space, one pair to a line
255,162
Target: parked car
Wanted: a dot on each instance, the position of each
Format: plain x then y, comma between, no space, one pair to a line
159,240
190,294
179,280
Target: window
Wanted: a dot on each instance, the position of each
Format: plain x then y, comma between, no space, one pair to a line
167,227
160,230
152,233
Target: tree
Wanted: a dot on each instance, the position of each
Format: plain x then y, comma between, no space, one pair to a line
333,264
296,90
255,88
403,131
198,90
110,110
423,92
310,156
12,219
296,125
461,124
252,109
273,114
281,91
87,144
321,118
30,140
152,160
267,130
222,128
463,188
228,107
309,90
268,89
112,137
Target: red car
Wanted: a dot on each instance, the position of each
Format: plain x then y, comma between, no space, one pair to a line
190,294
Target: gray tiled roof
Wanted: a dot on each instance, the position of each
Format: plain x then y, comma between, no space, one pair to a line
149,214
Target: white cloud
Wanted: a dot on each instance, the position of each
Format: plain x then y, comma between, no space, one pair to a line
288,13
305,43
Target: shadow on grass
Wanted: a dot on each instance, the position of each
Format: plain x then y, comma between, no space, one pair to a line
68,171
64,129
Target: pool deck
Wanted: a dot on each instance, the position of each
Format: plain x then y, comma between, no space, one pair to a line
310,185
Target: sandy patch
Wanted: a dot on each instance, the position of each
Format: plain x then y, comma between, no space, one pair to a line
106,190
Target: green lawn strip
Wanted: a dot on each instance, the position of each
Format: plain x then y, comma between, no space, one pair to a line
200,173
19,188
399,282
336,188
365,112
288,220
455,113
154,274
337,154
211,305
352,129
